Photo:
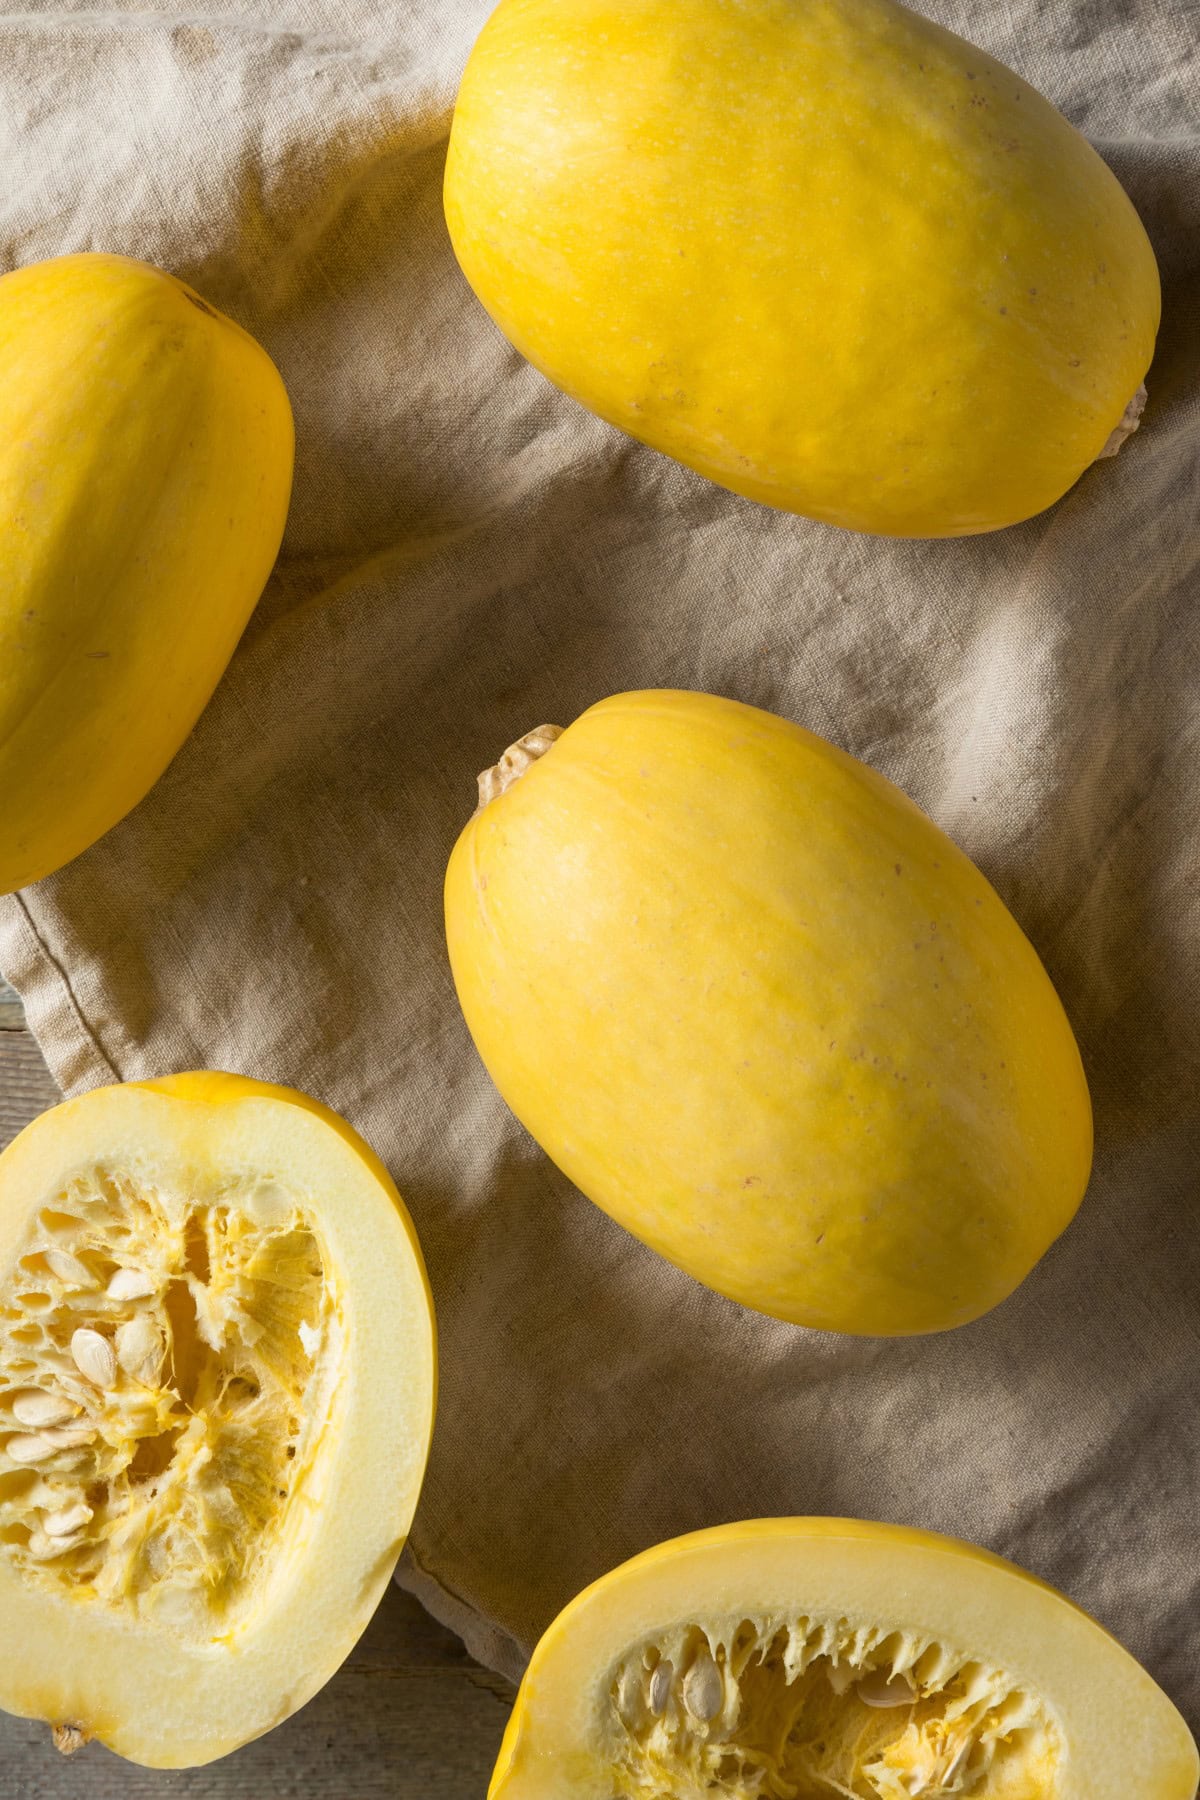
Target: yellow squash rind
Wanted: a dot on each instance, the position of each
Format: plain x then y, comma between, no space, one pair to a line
146,447
822,251
764,1013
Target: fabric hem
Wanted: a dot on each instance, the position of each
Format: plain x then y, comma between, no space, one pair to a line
60,1027
485,1641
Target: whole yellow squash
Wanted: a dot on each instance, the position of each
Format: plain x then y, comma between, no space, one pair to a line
146,450
823,251
763,1012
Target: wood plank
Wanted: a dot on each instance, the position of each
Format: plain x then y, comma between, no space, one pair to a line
27,1087
408,1717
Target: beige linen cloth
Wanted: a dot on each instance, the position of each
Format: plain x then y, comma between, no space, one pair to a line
470,554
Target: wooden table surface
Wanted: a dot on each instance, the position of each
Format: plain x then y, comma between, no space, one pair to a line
408,1717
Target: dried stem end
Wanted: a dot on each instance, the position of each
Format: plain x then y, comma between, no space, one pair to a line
1130,420
70,1738
516,759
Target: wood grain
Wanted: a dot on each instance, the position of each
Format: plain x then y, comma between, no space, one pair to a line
26,1085
409,1716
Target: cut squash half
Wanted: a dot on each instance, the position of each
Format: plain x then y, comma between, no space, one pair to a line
802,1659
217,1383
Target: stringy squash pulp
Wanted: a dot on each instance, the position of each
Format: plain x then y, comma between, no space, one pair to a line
216,1400
807,1659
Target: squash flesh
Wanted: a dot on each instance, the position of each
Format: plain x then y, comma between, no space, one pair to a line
792,1724
1017,1695
186,1474
251,1482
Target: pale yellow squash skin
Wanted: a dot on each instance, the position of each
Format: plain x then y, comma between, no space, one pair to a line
146,448
1122,1736
764,1013
823,251
171,1700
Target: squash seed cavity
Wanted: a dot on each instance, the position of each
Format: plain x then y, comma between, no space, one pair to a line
165,1369
808,1709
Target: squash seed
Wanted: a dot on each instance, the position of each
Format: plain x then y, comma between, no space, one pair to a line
44,1549
139,1347
131,1284
37,1408
70,1269
703,1689
629,1696
34,1448
70,1437
882,1690
67,1522
94,1357
660,1687
39,1446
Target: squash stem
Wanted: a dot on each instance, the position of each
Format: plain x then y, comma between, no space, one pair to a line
516,760
1130,419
